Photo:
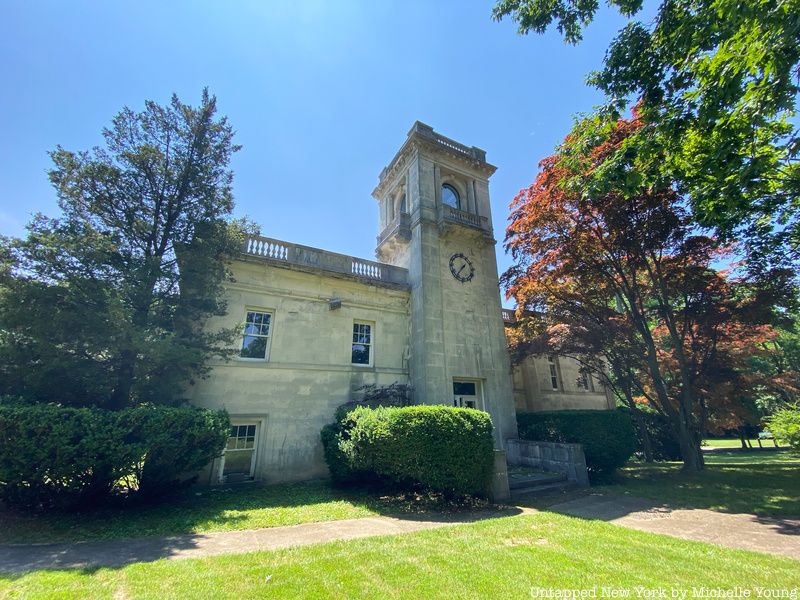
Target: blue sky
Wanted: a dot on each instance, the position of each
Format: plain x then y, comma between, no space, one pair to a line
321,94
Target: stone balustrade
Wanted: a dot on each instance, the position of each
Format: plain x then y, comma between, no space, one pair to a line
471,152
314,258
427,133
400,226
449,214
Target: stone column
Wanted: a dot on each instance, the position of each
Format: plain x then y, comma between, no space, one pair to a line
437,185
471,197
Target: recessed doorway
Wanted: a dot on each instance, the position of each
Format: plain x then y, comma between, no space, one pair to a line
467,394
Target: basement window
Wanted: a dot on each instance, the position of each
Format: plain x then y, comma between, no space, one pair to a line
239,456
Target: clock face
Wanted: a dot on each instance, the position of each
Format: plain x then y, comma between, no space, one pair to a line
461,267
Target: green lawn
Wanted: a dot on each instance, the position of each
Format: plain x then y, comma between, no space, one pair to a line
214,509
498,558
761,482
735,443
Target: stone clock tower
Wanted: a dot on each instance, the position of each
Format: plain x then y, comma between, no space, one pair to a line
435,221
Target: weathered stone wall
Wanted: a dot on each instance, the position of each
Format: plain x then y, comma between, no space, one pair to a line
429,328
533,390
308,374
456,327
472,329
552,457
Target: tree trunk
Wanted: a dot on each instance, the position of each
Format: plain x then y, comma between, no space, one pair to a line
125,373
126,367
681,417
641,425
742,438
691,450
647,443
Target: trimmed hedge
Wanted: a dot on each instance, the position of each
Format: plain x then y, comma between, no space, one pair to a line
662,440
55,457
607,437
440,448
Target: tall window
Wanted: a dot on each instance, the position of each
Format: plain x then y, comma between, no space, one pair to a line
255,340
450,196
551,363
362,344
583,381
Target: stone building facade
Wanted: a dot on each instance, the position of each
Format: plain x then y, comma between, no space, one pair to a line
317,326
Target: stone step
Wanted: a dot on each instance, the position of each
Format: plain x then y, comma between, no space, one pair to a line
526,480
540,489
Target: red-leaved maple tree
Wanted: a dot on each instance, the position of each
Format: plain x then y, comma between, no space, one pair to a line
619,276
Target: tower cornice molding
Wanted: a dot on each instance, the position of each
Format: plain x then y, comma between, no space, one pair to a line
423,137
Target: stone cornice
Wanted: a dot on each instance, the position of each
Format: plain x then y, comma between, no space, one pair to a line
422,136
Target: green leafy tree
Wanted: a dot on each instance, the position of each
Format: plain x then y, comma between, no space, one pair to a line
106,304
717,86
785,425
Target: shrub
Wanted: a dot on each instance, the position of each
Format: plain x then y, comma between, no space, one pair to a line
179,442
663,442
62,457
56,457
440,448
785,426
607,437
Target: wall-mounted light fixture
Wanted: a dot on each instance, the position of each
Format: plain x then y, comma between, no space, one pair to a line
334,303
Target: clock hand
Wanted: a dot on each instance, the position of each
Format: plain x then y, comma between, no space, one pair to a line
464,266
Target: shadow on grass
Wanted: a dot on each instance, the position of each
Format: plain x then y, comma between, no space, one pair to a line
118,537
760,483
222,508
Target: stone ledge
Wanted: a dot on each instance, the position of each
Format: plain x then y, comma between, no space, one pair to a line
553,457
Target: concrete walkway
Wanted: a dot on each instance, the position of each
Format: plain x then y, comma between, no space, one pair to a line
748,532
773,535
16,558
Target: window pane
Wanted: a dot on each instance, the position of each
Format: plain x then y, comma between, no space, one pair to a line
360,354
254,347
450,196
265,324
238,462
463,388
